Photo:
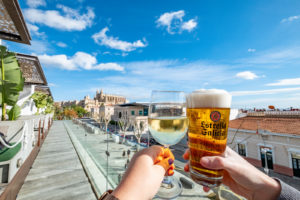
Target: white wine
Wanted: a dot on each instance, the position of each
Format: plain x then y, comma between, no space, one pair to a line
168,130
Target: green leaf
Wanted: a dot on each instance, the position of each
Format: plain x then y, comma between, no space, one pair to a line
14,112
12,81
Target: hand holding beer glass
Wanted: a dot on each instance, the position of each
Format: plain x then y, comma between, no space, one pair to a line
208,113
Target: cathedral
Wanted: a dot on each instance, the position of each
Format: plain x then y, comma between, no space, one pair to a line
92,105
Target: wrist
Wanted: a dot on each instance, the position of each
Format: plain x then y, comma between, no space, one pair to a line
126,191
272,187
120,193
275,187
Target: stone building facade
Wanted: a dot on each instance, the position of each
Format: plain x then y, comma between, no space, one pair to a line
93,105
131,113
272,142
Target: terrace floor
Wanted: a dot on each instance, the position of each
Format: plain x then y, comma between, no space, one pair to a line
57,172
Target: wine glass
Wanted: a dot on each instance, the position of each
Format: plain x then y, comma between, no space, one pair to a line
168,124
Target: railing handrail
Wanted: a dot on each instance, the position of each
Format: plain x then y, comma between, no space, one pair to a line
20,140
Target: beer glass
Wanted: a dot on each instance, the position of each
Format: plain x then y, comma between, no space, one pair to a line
168,124
208,113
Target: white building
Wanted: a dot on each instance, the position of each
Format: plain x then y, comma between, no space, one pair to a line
35,80
106,111
132,112
278,135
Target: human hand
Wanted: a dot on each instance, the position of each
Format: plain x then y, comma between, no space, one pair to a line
240,176
145,174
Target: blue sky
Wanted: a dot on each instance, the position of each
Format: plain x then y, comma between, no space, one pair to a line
250,48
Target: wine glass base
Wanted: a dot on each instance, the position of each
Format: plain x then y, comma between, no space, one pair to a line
170,188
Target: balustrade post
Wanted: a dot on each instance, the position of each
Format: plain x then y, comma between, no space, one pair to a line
43,131
48,125
39,135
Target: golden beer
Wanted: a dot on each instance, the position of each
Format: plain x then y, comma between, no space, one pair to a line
208,112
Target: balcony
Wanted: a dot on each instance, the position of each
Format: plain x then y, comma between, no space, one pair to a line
78,161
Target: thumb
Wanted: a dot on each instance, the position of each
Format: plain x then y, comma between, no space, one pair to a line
213,162
166,163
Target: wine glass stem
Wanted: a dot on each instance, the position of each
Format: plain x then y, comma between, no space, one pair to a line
167,179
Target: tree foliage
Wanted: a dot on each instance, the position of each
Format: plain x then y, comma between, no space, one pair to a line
70,112
43,100
80,111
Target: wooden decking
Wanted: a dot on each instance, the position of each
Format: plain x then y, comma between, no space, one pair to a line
57,172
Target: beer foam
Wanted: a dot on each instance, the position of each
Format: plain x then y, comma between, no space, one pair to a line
212,98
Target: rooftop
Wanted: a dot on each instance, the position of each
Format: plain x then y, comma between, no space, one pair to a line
134,104
12,23
271,124
31,69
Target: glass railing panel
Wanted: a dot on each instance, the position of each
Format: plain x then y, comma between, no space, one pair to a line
107,155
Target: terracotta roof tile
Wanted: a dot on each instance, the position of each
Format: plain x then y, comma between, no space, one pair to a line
271,124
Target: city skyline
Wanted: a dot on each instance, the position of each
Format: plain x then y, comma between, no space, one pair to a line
250,49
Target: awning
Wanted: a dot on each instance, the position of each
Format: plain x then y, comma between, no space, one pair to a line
31,69
12,23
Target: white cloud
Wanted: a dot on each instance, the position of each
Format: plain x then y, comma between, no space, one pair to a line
61,44
279,102
174,23
39,46
109,66
52,85
251,50
142,77
275,56
35,3
285,82
189,25
290,19
35,30
60,61
246,75
106,53
114,43
167,18
80,60
264,92
70,20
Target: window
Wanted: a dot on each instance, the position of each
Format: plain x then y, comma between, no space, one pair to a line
132,112
140,112
145,111
266,154
296,164
242,149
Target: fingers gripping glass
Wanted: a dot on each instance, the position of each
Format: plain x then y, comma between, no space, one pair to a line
168,124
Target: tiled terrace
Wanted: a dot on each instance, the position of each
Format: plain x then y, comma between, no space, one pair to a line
57,172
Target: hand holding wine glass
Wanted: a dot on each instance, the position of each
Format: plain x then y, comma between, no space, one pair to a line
168,124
